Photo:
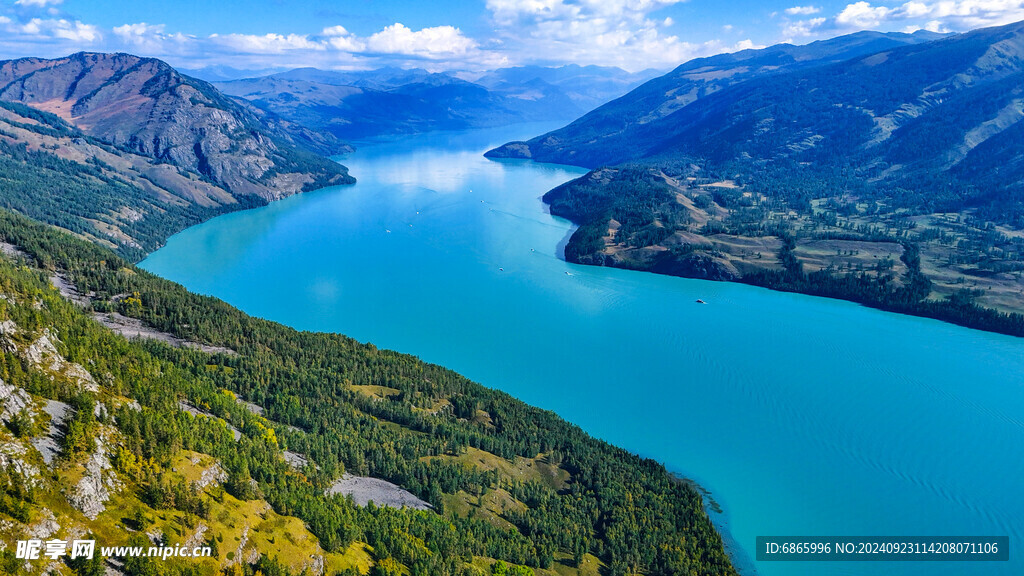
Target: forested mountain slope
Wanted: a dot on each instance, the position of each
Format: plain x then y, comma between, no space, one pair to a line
148,442
894,178
127,151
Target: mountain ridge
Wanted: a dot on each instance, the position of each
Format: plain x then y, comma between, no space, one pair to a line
143,151
611,124
147,106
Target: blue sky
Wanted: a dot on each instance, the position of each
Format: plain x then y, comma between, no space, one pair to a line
459,35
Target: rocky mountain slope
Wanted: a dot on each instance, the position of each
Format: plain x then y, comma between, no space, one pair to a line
149,150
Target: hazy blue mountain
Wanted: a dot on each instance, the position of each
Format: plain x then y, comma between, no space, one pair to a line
377,79
436,102
221,73
367,103
586,86
391,101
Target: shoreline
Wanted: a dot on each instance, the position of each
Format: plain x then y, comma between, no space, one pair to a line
741,562
936,307
715,514
951,310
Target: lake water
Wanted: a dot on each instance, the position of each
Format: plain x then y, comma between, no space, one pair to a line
801,415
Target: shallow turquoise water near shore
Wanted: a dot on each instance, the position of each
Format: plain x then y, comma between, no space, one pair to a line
801,415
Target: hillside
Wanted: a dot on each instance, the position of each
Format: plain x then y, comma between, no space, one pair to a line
212,428
389,101
894,179
145,150
619,130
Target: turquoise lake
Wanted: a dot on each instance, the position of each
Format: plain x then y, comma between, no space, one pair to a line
800,415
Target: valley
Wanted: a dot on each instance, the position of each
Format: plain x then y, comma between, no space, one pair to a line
775,290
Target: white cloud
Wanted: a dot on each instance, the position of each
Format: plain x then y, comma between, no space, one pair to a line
441,46
507,12
628,33
862,15
622,33
138,34
802,10
341,39
428,42
266,43
963,14
338,30
63,29
152,39
744,45
435,48
803,28
934,15
915,9
931,26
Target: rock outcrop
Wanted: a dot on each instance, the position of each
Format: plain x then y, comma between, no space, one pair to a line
211,476
364,490
13,400
13,457
43,354
96,486
48,445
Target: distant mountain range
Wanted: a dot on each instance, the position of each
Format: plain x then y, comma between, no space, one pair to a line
883,168
221,73
587,86
150,150
362,104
